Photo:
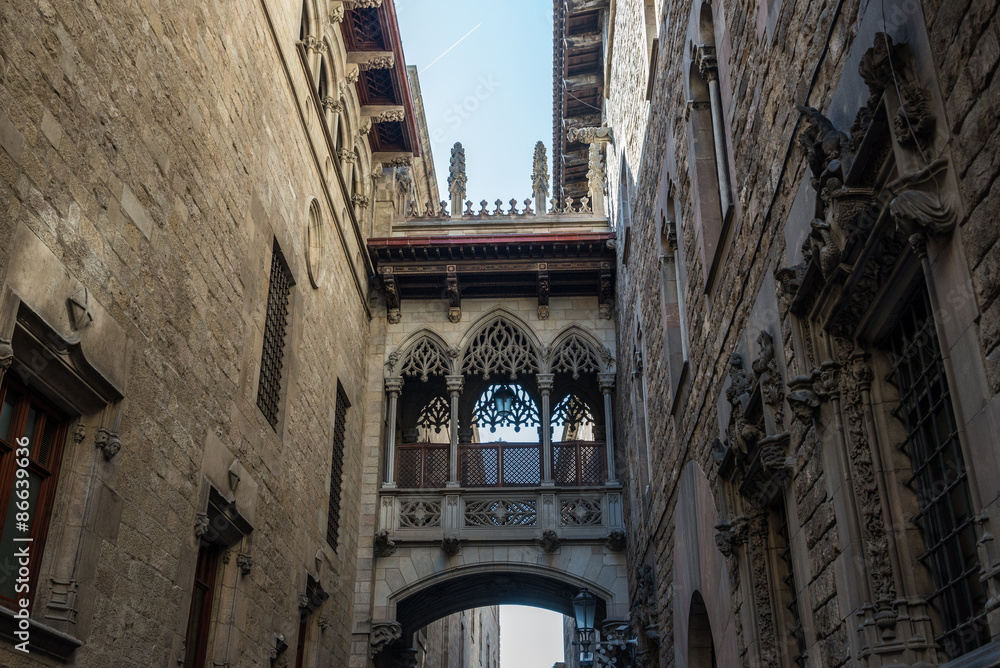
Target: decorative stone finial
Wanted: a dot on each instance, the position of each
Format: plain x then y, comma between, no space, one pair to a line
540,179
457,179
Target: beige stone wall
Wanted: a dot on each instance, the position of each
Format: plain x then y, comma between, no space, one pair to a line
152,154
768,53
469,639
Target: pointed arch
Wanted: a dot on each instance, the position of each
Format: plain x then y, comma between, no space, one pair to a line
575,350
500,343
421,355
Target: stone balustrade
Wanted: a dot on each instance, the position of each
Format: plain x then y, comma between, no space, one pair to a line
516,514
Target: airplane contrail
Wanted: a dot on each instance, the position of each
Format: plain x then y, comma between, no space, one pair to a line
451,47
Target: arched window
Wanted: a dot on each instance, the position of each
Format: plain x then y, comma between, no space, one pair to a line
624,223
709,146
652,43
673,282
701,645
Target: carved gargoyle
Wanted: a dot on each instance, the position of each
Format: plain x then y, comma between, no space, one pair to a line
549,542
730,535
383,546
825,147
615,541
451,545
383,633
823,247
741,383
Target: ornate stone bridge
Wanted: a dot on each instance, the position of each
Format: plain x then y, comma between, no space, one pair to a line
498,367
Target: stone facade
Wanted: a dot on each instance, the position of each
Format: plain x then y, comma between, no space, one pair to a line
834,505
152,159
469,638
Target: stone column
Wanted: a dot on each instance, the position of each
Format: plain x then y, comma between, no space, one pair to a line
455,386
545,387
606,381
709,68
393,386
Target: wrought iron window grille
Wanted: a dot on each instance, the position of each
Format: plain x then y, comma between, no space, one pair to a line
275,324
939,478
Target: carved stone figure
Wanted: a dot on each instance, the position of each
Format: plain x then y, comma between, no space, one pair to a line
615,541
383,633
383,547
549,542
825,146
451,545
600,135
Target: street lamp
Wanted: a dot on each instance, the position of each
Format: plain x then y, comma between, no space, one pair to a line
503,402
584,609
616,650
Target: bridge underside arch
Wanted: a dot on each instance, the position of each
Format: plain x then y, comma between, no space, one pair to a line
477,590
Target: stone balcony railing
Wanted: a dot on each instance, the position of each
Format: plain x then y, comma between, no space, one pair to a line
574,464
515,514
568,206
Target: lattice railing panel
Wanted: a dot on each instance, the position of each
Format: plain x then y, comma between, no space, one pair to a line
501,513
425,466
592,464
580,512
480,467
408,473
578,463
435,467
564,464
521,466
419,514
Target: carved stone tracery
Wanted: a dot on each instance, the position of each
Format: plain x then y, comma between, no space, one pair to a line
424,359
500,349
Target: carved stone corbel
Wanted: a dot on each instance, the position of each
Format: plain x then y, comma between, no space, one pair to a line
384,547
391,295
451,545
605,292
245,563
383,634
730,535
108,442
453,294
549,542
602,135
543,291
922,205
615,541
802,400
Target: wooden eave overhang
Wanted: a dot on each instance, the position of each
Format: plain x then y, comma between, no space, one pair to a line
490,266
372,87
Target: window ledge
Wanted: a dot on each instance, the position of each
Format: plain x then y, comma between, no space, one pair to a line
44,639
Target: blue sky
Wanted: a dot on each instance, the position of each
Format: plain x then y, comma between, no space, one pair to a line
492,91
